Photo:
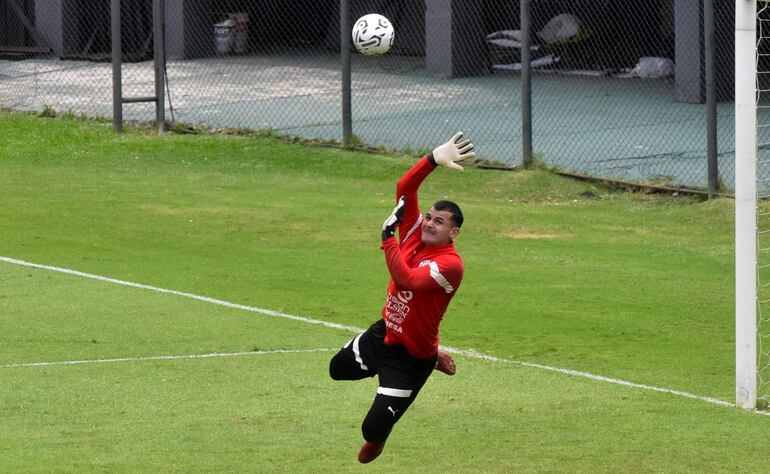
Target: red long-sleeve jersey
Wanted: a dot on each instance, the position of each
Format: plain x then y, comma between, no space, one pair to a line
423,278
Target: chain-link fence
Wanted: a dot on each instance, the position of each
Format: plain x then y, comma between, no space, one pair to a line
57,54
618,87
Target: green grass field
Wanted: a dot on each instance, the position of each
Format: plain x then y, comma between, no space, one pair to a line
558,272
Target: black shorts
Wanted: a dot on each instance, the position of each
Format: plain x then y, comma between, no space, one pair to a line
401,377
367,355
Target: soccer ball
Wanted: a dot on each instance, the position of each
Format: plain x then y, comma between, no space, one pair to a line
373,34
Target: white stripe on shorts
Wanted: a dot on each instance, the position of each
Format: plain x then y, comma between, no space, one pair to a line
394,392
357,353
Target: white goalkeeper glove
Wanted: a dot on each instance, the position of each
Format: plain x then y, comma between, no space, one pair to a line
390,224
451,152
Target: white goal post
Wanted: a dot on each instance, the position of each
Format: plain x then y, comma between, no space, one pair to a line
745,204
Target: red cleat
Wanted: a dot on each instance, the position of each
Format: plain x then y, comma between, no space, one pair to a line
445,364
370,451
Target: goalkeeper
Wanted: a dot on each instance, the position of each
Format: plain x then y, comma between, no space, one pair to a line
426,270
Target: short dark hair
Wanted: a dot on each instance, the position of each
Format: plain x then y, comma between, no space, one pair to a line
452,208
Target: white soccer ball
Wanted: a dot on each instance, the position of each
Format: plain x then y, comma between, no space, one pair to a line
373,34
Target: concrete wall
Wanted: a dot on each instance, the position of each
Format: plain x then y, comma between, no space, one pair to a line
688,51
689,60
187,29
48,22
454,38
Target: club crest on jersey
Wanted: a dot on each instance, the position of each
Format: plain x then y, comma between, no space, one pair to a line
405,296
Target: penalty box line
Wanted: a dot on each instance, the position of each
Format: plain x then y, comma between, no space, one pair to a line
267,312
166,357
280,314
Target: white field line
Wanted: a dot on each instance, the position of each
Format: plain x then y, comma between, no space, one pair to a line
206,299
268,312
166,357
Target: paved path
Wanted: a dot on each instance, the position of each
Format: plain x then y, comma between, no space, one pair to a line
629,129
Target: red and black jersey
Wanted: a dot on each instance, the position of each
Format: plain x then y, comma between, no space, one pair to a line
423,278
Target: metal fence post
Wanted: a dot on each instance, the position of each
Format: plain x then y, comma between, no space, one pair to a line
526,85
117,80
347,116
158,38
711,100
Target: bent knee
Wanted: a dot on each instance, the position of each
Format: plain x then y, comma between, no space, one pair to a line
334,372
338,370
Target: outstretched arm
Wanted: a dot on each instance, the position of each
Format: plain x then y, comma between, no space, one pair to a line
407,188
452,152
448,155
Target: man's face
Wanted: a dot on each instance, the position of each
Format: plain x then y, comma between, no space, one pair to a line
437,228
